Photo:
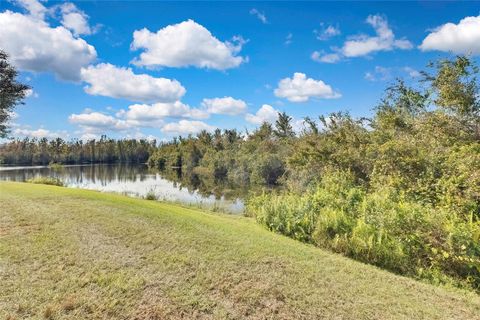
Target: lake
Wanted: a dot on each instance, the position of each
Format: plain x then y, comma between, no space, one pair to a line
131,180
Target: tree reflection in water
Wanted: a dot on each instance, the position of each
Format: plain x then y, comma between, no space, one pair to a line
138,180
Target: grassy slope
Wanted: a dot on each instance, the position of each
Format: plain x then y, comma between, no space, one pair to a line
76,254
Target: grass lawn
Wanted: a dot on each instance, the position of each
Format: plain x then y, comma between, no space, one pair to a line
76,254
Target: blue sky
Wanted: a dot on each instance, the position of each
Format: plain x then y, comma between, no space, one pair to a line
156,69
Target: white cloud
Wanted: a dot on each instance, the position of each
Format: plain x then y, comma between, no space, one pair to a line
96,122
260,15
288,39
35,46
152,115
12,115
265,114
87,136
461,38
387,73
225,105
186,127
363,45
327,58
379,74
326,33
299,88
299,125
39,133
30,93
369,76
137,135
383,41
186,44
75,19
35,8
412,72
135,117
116,82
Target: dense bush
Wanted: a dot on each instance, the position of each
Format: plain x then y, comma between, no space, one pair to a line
380,227
46,180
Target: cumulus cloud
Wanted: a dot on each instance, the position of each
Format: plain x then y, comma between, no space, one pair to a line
461,38
186,127
108,80
299,88
151,115
225,105
35,46
363,45
265,114
74,19
383,41
137,116
96,122
186,44
260,15
34,8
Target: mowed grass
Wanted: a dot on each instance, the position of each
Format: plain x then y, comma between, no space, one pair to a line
76,254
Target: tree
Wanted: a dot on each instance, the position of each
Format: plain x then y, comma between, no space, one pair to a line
456,87
11,92
312,125
283,128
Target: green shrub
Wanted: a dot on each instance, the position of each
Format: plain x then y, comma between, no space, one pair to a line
46,180
382,227
55,165
151,195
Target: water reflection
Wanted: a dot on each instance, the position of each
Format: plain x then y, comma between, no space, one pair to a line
137,180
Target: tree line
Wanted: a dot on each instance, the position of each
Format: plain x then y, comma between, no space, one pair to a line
104,150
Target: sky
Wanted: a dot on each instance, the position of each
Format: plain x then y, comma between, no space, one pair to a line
154,70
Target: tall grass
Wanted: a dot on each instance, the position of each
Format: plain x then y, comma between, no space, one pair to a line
380,227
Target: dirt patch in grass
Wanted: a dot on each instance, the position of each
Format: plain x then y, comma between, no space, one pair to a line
18,229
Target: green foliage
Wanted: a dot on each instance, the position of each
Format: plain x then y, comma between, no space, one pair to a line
382,227
46,180
55,166
151,195
11,92
268,169
228,157
456,86
283,127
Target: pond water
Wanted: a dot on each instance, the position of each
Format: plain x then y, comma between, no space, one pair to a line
131,180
